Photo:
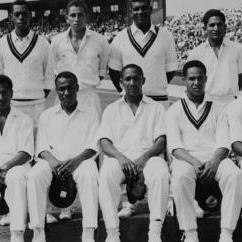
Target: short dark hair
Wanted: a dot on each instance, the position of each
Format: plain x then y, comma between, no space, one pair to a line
20,2
211,13
134,66
5,80
77,3
193,63
66,75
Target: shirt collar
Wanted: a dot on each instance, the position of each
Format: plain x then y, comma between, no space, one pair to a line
88,32
79,107
145,100
15,38
225,42
189,102
135,29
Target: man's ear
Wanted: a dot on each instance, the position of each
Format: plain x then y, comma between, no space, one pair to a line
143,80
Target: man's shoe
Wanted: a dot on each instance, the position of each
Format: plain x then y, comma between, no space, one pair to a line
50,219
127,210
5,220
65,214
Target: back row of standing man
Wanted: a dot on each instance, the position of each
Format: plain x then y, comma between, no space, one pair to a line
32,64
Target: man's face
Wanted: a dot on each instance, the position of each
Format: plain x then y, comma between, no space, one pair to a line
21,17
195,81
76,18
66,90
141,11
132,82
215,28
5,96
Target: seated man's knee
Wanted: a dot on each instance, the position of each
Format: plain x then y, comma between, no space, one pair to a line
16,174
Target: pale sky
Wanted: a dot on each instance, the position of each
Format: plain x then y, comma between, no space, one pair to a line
175,7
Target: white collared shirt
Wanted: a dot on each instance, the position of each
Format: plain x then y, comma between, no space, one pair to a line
160,56
17,136
31,75
66,136
200,142
88,64
133,134
234,117
140,37
222,71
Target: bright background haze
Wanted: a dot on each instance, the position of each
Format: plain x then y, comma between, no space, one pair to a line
177,7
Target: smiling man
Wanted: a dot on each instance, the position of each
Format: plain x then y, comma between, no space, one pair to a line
197,137
65,146
222,58
132,137
82,52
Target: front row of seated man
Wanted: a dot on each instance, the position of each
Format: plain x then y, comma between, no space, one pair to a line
132,135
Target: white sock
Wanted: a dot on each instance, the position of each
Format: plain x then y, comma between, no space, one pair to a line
227,232
155,227
88,233
17,236
191,233
39,234
113,232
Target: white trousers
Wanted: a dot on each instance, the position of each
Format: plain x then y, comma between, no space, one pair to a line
38,183
183,182
111,177
16,196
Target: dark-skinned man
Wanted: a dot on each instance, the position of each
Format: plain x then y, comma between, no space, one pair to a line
132,137
150,47
65,144
222,58
197,137
24,57
17,148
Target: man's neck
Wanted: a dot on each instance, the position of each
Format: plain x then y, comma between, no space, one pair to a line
197,100
215,43
69,109
77,35
144,28
22,33
133,100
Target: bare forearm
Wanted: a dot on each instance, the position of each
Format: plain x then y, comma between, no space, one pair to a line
85,155
220,154
52,160
109,149
182,154
20,159
157,148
